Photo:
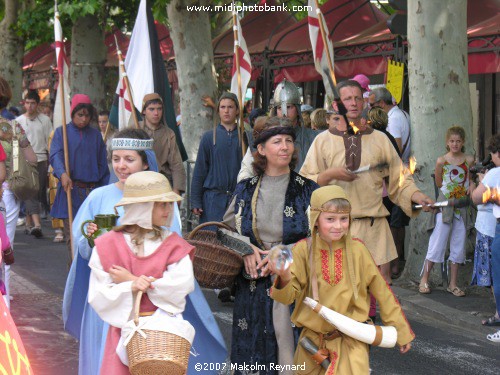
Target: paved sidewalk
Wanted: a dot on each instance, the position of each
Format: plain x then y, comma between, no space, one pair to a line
463,312
37,315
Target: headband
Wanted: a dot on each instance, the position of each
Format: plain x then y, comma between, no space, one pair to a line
131,144
267,133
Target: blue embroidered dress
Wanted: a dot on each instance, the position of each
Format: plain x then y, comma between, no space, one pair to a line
253,333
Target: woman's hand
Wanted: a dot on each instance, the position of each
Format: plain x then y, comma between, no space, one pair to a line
405,348
263,264
251,262
142,283
120,275
91,229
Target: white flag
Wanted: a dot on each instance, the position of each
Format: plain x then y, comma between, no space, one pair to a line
318,47
245,63
63,70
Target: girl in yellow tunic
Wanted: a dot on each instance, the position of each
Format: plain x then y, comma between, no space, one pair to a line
345,276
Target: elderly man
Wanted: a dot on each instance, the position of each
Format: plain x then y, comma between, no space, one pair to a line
337,153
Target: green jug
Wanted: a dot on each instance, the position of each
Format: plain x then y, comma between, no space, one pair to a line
104,224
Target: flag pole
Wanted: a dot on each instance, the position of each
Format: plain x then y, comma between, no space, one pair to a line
65,143
106,132
325,43
127,83
240,94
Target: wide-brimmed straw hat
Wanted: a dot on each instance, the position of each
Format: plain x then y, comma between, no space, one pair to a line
147,186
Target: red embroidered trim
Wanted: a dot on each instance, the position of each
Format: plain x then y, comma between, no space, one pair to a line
333,361
338,265
325,269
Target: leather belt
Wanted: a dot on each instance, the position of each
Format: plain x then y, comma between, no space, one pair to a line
371,218
84,185
332,335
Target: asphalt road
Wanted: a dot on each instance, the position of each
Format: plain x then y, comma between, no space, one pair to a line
439,348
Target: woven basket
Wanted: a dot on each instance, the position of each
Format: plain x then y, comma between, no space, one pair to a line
215,265
159,353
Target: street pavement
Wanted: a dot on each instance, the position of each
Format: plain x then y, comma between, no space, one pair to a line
450,338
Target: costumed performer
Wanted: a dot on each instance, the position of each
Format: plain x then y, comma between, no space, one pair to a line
141,255
344,275
268,209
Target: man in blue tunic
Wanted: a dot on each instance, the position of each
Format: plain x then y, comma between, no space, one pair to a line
217,164
87,161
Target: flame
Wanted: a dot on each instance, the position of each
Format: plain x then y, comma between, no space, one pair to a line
354,127
407,170
413,164
491,195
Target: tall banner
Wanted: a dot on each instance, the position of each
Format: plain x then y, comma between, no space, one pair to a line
146,74
63,70
245,63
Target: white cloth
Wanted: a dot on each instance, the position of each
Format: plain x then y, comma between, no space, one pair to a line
399,127
38,131
246,170
12,207
439,240
492,180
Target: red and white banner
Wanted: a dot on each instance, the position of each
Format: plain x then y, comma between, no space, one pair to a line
318,46
63,70
245,63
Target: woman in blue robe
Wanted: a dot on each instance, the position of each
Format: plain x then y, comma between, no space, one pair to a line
132,152
268,209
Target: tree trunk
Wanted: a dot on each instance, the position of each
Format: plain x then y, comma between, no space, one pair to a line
439,98
88,56
190,32
12,51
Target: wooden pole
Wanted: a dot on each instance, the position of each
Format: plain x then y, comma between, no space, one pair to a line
241,128
325,43
108,125
66,154
127,83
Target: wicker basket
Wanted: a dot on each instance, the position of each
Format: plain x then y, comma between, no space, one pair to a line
159,353
215,265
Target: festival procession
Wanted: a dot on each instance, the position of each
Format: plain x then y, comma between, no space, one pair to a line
250,187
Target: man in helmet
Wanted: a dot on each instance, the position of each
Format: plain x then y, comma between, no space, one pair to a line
286,103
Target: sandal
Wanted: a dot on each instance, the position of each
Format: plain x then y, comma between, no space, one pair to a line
37,232
495,337
456,291
491,321
59,237
424,288
27,230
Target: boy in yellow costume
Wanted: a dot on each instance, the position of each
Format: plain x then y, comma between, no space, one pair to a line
344,274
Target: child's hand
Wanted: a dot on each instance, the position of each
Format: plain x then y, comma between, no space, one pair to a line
91,229
285,275
405,348
119,274
142,283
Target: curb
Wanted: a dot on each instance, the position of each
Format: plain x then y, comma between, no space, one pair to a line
427,307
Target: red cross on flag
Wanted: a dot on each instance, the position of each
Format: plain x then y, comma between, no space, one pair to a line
318,46
244,63
63,70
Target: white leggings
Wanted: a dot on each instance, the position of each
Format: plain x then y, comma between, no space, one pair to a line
12,207
439,240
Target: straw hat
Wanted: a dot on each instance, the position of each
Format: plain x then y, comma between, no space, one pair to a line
147,186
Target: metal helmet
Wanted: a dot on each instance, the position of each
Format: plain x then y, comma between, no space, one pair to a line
286,93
